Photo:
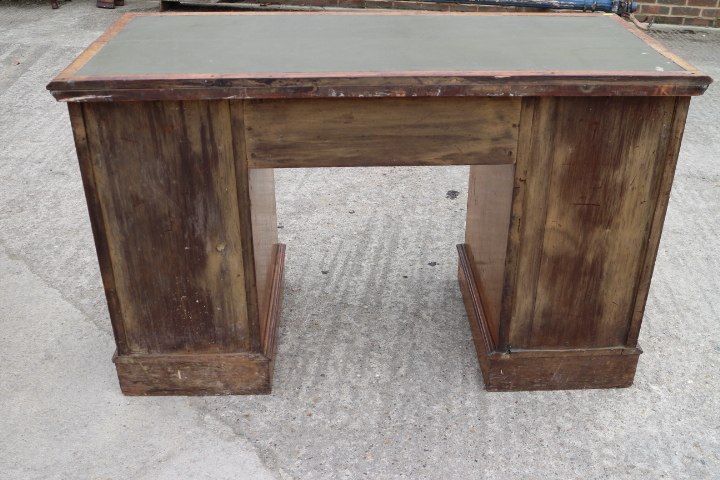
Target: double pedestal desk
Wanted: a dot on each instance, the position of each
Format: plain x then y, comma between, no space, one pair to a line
571,125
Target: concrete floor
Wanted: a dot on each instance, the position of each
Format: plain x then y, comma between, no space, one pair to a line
376,373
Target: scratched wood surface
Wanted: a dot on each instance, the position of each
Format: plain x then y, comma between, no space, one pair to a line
164,175
591,175
225,374
381,132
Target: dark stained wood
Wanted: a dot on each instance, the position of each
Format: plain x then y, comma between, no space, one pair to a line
243,185
600,197
165,178
667,167
486,232
513,370
568,191
97,222
228,374
197,374
458,84
508,373
527,222
381,132
272,322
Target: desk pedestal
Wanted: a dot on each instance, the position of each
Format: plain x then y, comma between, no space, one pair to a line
560,247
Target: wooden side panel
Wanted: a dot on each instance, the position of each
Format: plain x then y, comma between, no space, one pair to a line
245,196
671,156
486,233
606,157
97,222
381,132
264,236
166,183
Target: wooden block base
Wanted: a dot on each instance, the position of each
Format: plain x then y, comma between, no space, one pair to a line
546,369
226,374
211,374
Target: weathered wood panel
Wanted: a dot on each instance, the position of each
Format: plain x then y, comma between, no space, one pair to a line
670,162
264,237
166,182
527,222
568,372
606,159
97,222
511,370
381,132
229,374
486,233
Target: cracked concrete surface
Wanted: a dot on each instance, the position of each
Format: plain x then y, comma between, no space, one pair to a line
376,375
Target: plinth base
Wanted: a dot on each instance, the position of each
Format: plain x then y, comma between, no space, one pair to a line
540,369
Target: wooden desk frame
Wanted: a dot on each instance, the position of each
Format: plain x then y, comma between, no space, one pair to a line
569,183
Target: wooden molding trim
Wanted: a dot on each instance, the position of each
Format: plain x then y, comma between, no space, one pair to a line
269,339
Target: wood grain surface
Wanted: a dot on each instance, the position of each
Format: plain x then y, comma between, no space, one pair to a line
165,179
381,132
599,164
229,374
490,194
507,370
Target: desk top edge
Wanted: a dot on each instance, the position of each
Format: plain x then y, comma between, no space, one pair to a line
68,86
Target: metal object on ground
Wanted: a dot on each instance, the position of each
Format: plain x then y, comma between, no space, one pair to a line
611,6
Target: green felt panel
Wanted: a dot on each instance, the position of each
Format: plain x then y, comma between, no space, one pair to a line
307,44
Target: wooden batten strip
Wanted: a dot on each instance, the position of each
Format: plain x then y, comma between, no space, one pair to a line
236,112
653,243
98,225
190,374
269,339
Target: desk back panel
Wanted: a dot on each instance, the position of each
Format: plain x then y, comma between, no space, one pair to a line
375,132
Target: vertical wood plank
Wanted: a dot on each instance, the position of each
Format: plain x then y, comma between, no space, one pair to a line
668,173
606,159
486,233
97,223
244,197
527,222
165,174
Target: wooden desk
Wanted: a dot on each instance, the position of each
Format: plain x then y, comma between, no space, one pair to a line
571,124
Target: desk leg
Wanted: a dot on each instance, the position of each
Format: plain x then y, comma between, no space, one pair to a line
585,207
187,243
